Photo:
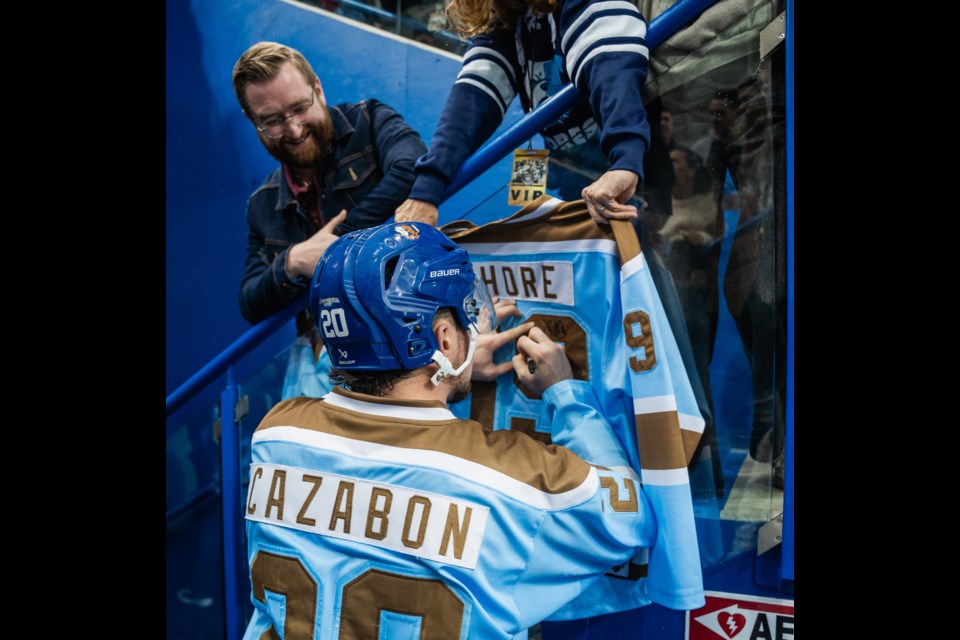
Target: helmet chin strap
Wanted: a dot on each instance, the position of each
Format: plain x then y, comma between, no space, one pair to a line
446,369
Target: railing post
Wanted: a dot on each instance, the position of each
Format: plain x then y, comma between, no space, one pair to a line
232,517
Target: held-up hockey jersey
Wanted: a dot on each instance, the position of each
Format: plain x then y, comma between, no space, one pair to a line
376,519
587,286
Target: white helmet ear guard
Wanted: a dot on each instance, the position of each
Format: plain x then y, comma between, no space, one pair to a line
482,314
446,369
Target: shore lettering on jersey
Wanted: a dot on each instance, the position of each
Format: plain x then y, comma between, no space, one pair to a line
548,281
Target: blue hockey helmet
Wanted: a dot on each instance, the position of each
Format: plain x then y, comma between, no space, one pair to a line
376,291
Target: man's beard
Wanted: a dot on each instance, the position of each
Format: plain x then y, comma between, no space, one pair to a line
461,384
312,151
461,388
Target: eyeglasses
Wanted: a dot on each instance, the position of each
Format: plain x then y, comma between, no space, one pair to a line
274,127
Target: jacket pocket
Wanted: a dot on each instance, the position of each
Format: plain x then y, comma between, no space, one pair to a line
270,250
354,170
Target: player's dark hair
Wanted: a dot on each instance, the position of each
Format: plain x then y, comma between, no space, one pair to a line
380,383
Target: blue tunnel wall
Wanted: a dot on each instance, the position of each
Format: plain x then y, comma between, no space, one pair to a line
214,159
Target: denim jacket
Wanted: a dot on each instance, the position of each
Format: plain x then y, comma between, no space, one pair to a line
369,173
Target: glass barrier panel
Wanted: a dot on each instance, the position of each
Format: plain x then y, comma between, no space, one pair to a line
259,393
714,213
194,538
712,227
423,21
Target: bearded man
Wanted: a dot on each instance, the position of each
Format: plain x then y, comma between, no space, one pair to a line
342,168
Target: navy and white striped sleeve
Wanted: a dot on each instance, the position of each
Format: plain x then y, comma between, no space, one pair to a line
606,56
490,71
481,95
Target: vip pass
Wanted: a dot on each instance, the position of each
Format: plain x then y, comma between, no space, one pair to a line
529,178
419,523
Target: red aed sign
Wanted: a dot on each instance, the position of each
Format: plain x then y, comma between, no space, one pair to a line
734,616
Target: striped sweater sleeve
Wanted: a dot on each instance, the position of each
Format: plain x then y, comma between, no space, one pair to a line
606,56
481,95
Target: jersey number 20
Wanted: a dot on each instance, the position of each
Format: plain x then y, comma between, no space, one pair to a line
439,609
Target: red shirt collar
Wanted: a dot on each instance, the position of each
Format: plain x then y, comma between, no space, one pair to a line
299,192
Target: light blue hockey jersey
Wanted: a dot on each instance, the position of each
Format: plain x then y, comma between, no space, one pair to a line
368,518
587,286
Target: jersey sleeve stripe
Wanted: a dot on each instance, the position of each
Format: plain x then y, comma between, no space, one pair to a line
639,49
491,71
664,477
618,7
488,88
694,424
631,259
657,441
630,472
654,404
492,55
690,441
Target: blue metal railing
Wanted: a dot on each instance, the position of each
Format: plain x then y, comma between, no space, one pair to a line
240,347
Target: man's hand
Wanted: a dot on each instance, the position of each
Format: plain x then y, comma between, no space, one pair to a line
488,343
417,211
695,237
605,197
302,258
540,362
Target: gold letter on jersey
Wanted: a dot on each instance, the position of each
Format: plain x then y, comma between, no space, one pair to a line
378,514
275,499
301,517
342,506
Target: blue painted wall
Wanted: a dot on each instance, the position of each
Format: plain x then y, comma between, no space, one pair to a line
214,159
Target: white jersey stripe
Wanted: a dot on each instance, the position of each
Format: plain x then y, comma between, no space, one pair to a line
655,404
548,205
603,6
603,28
421,414
637,263
635,48
691,423
542,248
487,90
491,72
665,477
493,53
448,463
626,471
